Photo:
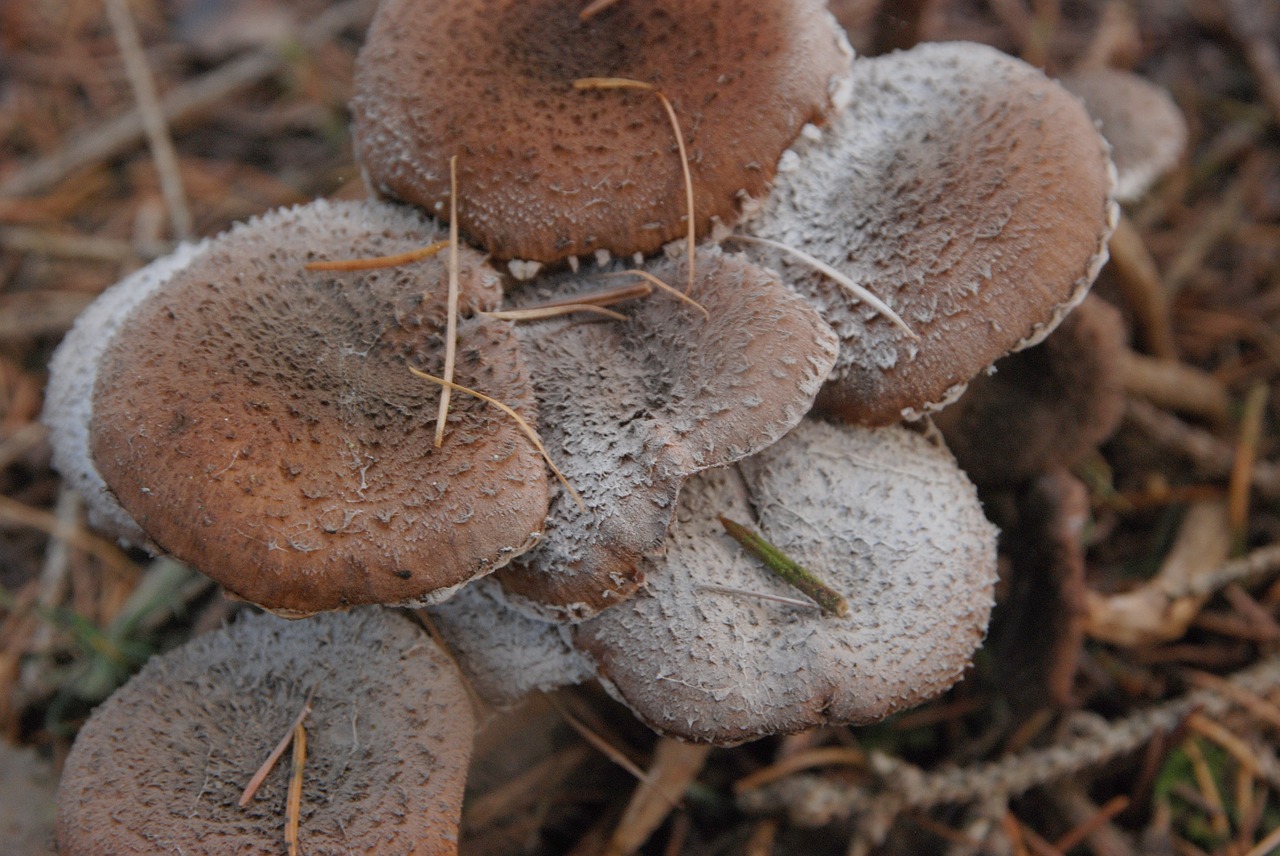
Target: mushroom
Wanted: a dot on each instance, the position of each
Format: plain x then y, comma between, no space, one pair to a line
1146,130
631,409
1045,407
161,765
547,172
260,421
706,651
505,654
968,192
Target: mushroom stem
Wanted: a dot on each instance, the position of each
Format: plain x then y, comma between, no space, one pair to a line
377,262
451,326
827,270
627,83
802,579
520,420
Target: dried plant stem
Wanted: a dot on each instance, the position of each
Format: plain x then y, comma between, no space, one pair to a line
451,324
259,777
789,601
539,313
626,83
835,276
293,807
787,569
813,800
1241,481
520,420
14,512
376,262
180,103
594,8
683,297
153,121
675,766
1177,386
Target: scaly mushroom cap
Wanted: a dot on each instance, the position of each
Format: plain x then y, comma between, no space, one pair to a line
160,766
1146,130
260,421
964,189
505,654
880,515
1043,407
631,409
546,171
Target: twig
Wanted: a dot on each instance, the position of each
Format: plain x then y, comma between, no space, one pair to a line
251,789
153,120
451,317
182,102
787,569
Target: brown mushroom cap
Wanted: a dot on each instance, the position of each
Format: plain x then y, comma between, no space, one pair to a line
967,191
631,409
260,422
1146,130
1045,406
161,765
881,515
545,171
505,654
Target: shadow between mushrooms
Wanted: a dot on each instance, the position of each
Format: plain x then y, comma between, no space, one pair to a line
964,189
259,421
883,516
161,765
631,409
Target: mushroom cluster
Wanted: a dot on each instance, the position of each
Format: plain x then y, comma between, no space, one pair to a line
703,323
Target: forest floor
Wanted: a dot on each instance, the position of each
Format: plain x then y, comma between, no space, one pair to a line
1089,724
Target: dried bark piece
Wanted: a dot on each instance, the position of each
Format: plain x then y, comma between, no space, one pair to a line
1146,130
882,516
1043,407
260,421
631,409
160,766
505,654
546,172
967,191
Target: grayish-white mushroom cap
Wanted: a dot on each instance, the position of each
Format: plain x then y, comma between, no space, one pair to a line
630,409
883,516
964,189
1146,130
504,653
161,765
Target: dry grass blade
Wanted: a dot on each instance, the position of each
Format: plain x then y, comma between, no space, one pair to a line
520,420
759,595
451,325
594,8
539,313
259,777
662,286
377,262
293,808
836,276
1241,483
675,766
626,83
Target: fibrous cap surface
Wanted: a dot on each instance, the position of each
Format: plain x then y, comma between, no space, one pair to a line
546,171
260,422
881,515
630,409
967,191
161,765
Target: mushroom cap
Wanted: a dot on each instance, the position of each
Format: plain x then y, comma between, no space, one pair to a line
505,654
883,516
160,766
1145,128
545,171
964,189
631,409
298,469
1045,406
